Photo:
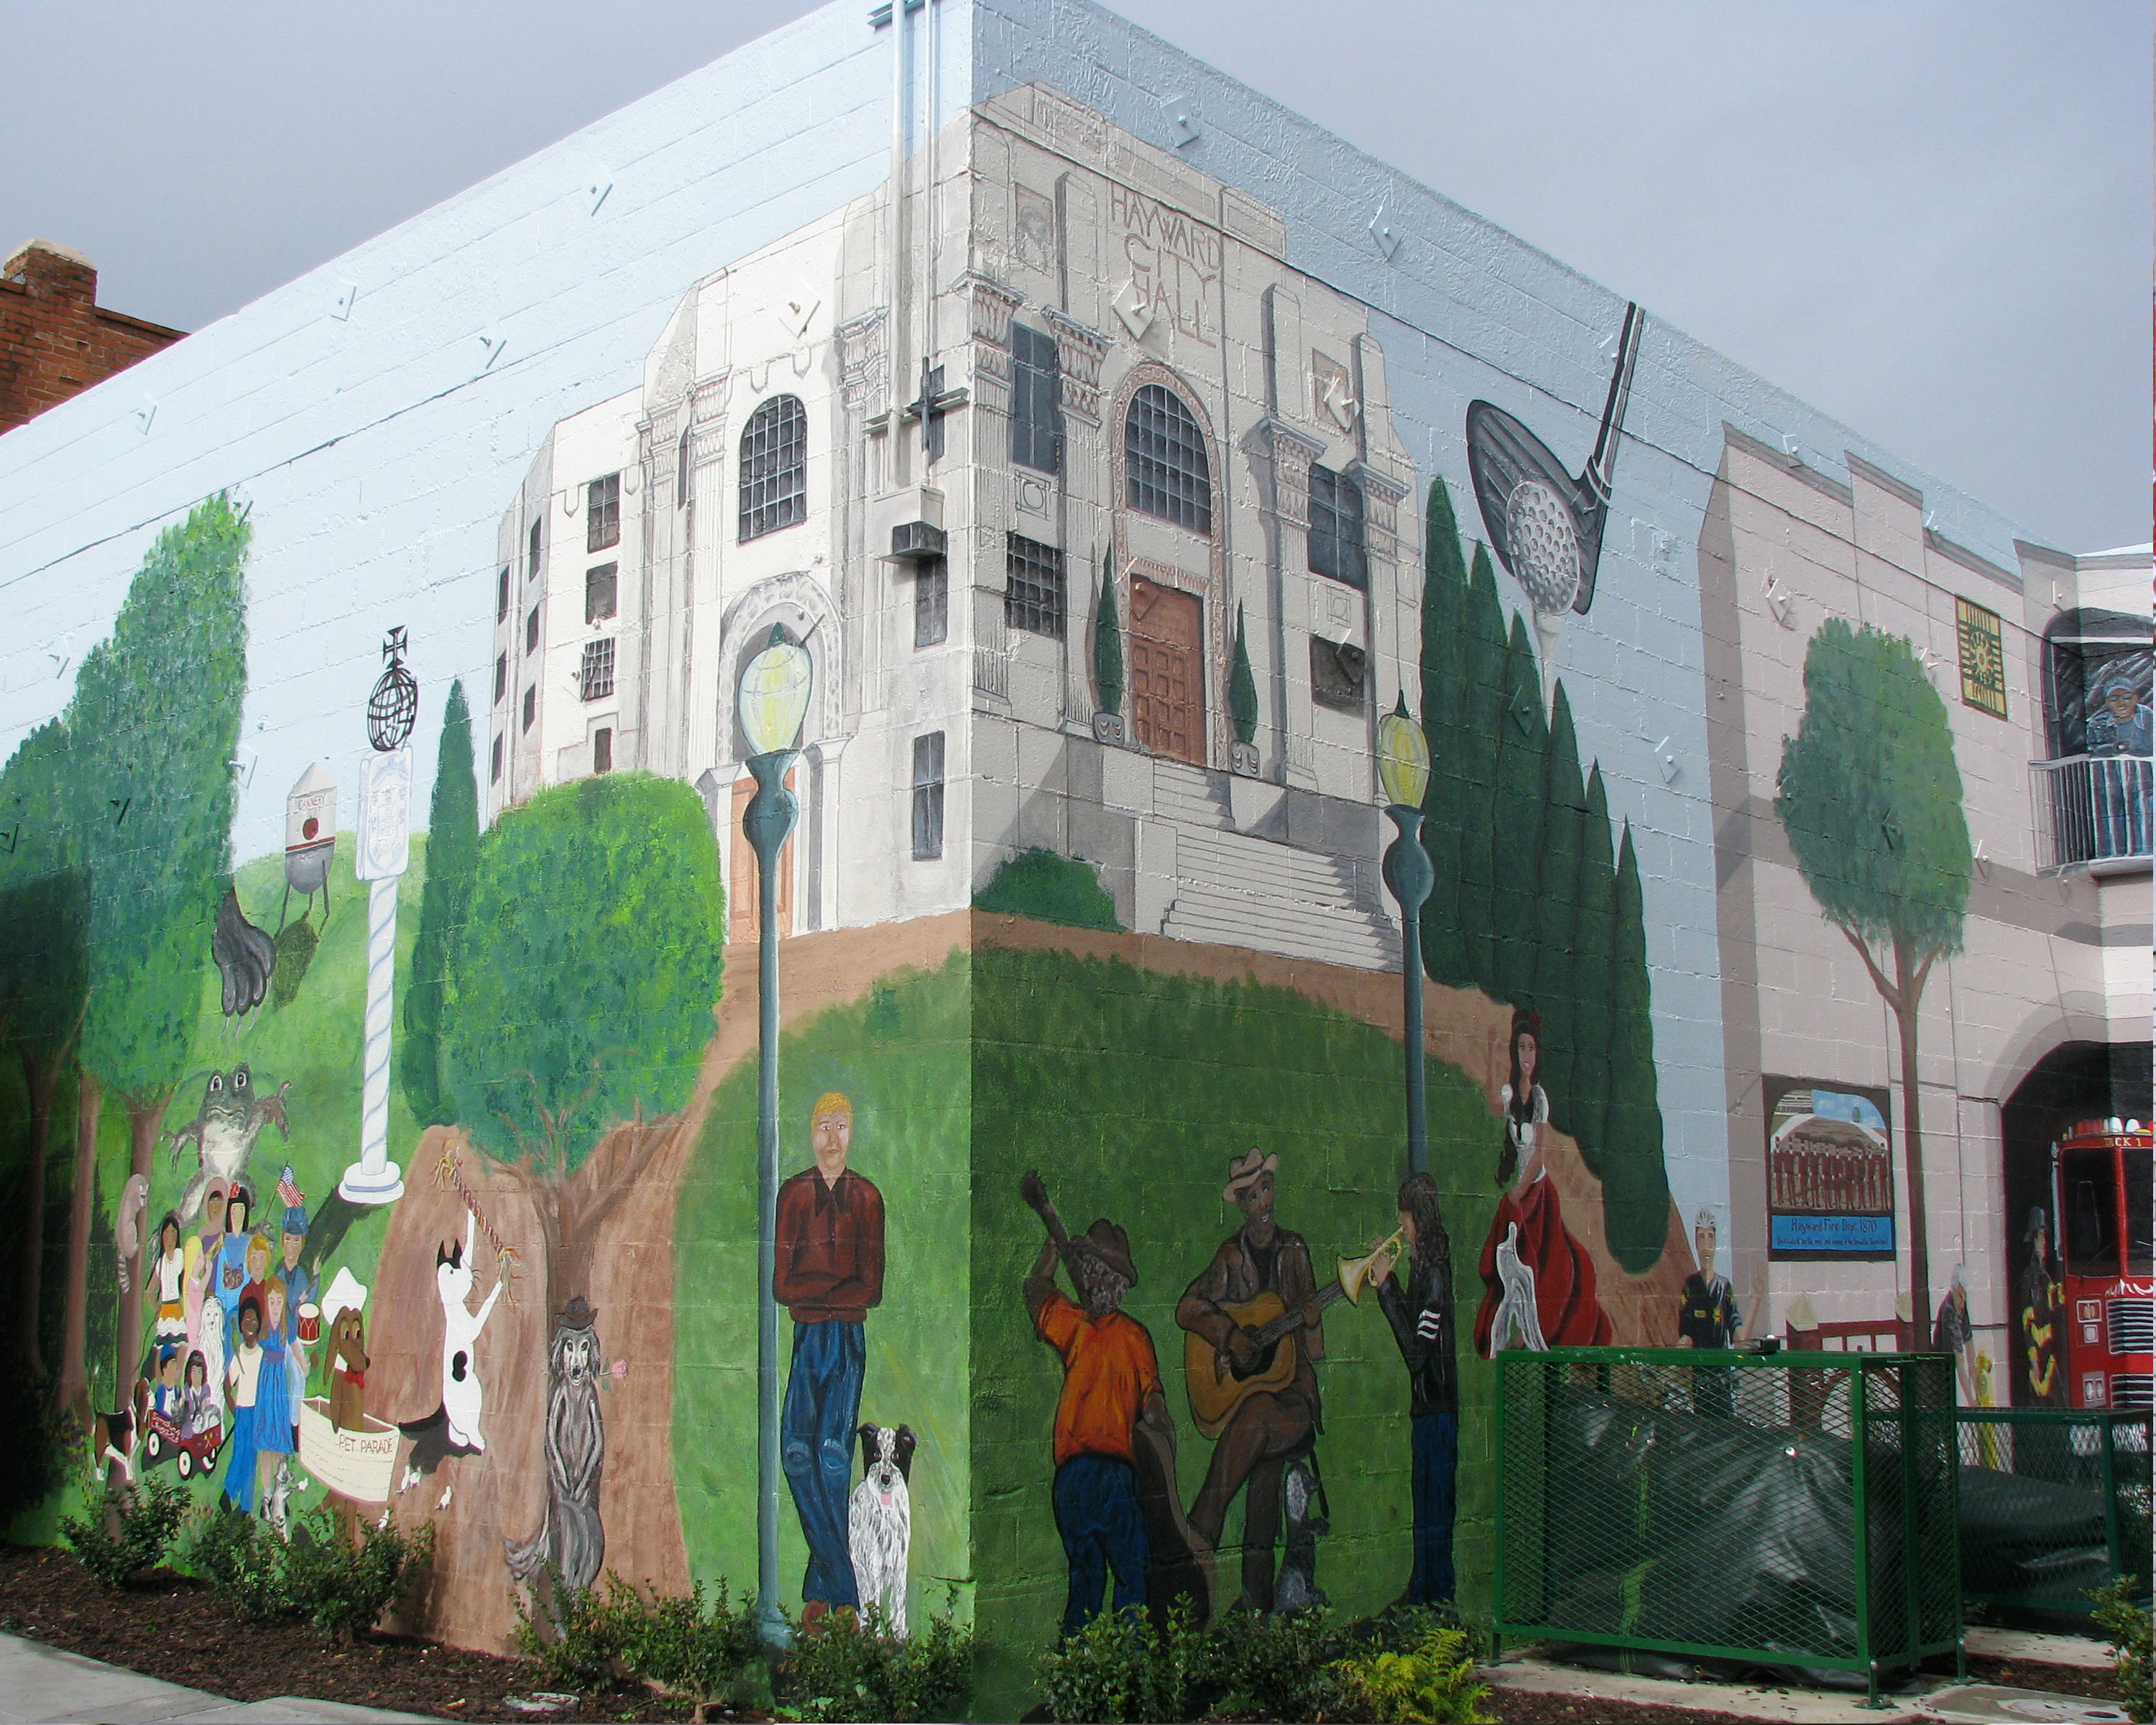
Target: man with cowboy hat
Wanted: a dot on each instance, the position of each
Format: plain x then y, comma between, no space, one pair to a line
1110,1381
1269,1430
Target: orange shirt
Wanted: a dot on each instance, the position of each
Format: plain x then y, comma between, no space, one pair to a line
1108,1372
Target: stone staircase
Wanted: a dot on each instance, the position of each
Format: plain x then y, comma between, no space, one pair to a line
1183,794
1232,889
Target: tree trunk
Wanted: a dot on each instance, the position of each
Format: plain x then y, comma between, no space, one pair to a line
74,1392
1909,985
146,1121
41,1079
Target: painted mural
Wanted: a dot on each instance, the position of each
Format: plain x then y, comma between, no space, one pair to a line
1112,1192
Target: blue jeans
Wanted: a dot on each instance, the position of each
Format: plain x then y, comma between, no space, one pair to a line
816,1445
1436,1442
1097,1512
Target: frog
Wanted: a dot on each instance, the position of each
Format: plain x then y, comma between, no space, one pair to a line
233,1115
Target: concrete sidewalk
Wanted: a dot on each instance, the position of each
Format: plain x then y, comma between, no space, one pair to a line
43,1686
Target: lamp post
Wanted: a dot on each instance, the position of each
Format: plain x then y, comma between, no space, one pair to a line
1403,771
385,849
774,698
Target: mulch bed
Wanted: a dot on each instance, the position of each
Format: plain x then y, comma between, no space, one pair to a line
177,1630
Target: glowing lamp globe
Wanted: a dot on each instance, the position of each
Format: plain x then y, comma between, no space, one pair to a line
774,694
1403,757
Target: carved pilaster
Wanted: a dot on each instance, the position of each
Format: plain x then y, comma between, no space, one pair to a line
864,345
1382,496
1291,452
989,306
1079,352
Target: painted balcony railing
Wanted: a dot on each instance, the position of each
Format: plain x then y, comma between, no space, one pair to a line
2090,809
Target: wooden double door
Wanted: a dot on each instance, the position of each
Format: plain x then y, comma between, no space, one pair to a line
1167,669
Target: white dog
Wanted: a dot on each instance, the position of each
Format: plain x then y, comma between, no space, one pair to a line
879,1523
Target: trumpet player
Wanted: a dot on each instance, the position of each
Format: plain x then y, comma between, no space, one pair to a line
1419,1310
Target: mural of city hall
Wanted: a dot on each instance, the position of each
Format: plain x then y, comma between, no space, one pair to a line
1297,861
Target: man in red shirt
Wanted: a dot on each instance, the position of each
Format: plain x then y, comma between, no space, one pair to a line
829,1273
1110,1381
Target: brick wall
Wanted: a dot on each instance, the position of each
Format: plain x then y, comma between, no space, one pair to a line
55,339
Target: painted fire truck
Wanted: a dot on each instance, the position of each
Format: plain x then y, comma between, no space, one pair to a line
2100,1238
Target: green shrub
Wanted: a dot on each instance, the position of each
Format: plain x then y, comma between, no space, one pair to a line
1274,1666
681,1648
339,1583
845,1669
129,1534
1432,1682
576,1635
1122,1666
1050,888
343,1583
2126,1625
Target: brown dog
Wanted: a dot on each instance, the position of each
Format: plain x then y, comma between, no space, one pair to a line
348,1372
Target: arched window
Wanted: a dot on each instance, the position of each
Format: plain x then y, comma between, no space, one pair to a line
1166,472
774,467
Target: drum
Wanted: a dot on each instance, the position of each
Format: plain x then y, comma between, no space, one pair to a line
311,1321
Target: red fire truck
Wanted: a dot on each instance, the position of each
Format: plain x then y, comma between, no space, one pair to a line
2101,1232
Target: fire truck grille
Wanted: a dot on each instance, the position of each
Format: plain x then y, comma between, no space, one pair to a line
2131,1331
2131,1389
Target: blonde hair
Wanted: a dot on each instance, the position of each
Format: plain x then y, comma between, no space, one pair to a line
831,1103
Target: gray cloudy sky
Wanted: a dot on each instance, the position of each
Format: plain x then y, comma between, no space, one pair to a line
1929,218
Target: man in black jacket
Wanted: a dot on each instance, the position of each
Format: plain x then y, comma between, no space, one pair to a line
1420,1314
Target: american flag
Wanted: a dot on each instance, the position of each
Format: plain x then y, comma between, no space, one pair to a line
288,1189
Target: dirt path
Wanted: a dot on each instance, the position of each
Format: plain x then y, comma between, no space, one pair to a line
500,1496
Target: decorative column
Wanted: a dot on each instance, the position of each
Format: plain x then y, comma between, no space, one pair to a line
385,851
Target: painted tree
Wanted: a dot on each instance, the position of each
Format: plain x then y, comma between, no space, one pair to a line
1242,685
582,995
1555,990
1482,693
1594,915
1871,796
1635,1192
155,720
1107,641
1444,607
1517,822
44,913
444,901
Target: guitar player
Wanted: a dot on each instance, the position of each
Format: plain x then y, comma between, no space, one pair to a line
1268,1431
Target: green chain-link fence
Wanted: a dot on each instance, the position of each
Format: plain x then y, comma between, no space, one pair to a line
1793,1510
2053,1505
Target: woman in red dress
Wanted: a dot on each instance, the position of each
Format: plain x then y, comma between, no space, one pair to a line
1539,1281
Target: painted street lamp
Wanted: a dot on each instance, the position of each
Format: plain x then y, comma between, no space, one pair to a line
774,700
385,849
1403,771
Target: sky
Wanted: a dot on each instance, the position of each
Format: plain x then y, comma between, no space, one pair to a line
1929,219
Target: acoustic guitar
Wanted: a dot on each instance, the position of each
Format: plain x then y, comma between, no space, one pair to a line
1218,1385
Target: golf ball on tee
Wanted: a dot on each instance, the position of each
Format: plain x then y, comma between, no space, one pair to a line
1545,546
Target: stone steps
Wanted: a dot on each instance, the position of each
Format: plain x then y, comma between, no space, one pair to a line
1233,891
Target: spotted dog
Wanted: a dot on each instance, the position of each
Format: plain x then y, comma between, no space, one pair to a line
879,1523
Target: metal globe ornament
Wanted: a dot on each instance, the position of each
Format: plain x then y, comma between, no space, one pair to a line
394,707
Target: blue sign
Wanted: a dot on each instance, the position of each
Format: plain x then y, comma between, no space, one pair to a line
1832,1234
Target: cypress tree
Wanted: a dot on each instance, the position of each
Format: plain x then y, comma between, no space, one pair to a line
1482,714
1108,641
1594,911
1516,822
1556,896
1444,608
1242,687
444,900
1635,1192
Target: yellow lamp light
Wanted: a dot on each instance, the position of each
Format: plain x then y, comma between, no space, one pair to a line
774,694
1403,757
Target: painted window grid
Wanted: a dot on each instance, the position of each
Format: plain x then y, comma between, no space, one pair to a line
1034,596
595,676
603,513
602,590
1036,402
928,796
774,467
1166,472
1338,544
931,603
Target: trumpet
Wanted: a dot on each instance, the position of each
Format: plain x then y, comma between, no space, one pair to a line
1355,1272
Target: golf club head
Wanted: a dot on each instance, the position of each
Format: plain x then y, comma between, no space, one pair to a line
1545,524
